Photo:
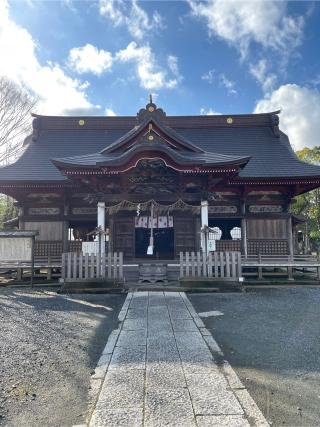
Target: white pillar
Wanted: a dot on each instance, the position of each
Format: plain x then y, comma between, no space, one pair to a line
204,222
290,237
101,223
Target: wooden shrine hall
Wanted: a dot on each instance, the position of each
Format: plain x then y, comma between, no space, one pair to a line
163,184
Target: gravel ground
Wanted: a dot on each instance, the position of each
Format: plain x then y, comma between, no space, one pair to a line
272,339
49,346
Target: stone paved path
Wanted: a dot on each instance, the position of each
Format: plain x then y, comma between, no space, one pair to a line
158,370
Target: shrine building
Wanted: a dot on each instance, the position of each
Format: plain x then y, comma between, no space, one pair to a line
170,177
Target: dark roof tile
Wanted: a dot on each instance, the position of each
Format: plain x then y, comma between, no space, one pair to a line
271,156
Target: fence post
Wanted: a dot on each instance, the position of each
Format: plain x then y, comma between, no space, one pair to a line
193,273
120,265
98,265
92,260
181,264
74,270
216,265
239,264
80,265
209,268
204,264
187,264
109,265
63,266
86,266
234,265
103,265
221,265
69,265
115,259
49,269
198,264
227,264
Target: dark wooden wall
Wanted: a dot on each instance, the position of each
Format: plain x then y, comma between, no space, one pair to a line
267,228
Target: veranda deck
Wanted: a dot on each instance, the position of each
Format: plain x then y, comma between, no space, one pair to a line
263,264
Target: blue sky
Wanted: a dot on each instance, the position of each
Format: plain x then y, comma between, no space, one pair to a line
219,56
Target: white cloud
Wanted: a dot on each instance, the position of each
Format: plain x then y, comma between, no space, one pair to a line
208,112
151,76
211,77
300,112
58,93
89,59
109,112
173,64
241,22
260,72
228,84
135,19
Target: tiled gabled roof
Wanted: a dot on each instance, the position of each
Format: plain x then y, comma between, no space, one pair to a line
253,135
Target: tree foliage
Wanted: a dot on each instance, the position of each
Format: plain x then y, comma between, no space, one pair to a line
8,211
308,204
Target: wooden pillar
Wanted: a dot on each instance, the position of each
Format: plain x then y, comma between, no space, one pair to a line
244,243
204,222
198,233
65,229
101,223
21,218
19,274
290,237
111,233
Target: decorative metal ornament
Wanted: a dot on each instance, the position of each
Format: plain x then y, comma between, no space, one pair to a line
150,138
222,209
265,208
229,120
151,109
81,122
159,209
44,211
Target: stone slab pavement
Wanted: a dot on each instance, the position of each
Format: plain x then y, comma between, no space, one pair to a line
162,367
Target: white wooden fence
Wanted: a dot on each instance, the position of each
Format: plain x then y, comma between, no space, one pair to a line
80,267
215,265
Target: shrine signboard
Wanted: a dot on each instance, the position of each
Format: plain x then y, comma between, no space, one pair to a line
17,248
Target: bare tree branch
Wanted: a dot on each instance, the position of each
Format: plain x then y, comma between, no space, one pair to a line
15,119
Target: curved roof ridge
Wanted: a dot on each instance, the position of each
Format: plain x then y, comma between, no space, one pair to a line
99,159
267,113
180,139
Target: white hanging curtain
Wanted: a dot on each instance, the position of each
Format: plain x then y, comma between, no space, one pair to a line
160,221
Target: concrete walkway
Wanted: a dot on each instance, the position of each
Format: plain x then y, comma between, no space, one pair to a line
159,369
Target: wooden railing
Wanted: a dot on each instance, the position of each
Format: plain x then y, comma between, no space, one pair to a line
78,267
267,246
228,245
54,247
217,265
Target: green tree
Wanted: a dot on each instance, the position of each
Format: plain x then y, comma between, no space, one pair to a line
8,211
308,204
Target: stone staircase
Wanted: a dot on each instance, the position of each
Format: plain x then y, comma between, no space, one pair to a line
153,274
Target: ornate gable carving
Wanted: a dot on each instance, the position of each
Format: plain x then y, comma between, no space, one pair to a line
151,111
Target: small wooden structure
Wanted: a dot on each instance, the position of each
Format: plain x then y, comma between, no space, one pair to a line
17,251
153,273
216,265
176,175
265,265
78,267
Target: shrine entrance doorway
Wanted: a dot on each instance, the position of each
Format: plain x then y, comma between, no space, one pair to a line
163,243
